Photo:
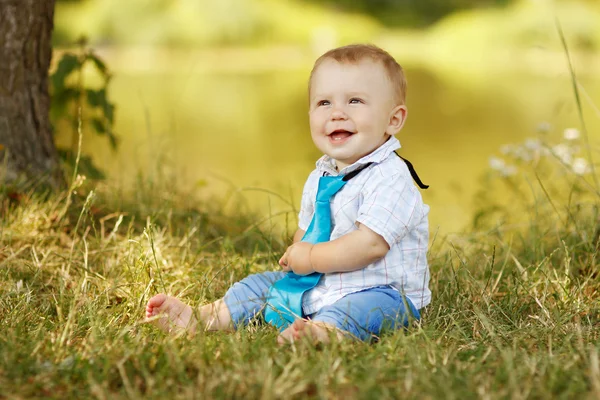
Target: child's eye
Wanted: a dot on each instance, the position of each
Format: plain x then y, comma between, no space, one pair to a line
323,103
355,100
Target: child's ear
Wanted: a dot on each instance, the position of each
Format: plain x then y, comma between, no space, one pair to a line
397,119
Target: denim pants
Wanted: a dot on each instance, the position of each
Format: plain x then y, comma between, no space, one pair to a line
362,314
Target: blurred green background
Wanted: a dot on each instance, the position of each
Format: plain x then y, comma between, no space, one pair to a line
212,94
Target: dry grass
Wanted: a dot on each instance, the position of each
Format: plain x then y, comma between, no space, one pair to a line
515,313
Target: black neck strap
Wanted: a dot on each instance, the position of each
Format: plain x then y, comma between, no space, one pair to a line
352,174
411,169
413,173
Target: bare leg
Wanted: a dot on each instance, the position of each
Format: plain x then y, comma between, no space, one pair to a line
176,316
318,332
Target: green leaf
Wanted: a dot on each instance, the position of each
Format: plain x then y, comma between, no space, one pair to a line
67,64
98,126
69,94
109,112
98,63
114,141
86,165
96,98
103,128
61,100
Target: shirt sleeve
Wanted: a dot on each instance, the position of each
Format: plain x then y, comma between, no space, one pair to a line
307,204
392,207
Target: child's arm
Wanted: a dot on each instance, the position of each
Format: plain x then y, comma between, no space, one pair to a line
391,208
350,252
298,235
297,238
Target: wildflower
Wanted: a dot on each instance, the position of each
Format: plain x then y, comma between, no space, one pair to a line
496,163
580,166
533,144
523,154
563,153
506,149
509,170
544,127
571,134
79,181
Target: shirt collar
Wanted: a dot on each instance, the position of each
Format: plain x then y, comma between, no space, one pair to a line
327,164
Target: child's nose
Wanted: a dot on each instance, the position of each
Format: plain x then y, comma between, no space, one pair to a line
338,114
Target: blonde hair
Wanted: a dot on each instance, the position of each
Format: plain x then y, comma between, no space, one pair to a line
355,53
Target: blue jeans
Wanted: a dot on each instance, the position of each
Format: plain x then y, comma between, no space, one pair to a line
362,314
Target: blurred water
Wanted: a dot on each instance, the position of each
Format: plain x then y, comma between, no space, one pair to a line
234,127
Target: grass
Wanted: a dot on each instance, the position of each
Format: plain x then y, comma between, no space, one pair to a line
515,313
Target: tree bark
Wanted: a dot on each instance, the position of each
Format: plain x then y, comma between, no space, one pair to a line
26,141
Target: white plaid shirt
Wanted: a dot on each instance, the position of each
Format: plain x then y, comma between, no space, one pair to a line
383,198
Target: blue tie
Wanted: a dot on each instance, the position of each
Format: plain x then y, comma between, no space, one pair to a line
284,301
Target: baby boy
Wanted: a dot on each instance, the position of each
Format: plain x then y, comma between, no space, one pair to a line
372,273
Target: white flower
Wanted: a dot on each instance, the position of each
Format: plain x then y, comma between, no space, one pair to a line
79,181
544,127
580,166
509,170
506,149
571,134
523,154
563,152
533,144
496,163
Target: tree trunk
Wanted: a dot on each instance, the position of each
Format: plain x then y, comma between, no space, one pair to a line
26,143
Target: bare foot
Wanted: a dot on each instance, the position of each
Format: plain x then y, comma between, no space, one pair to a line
290,334
317,332
174,315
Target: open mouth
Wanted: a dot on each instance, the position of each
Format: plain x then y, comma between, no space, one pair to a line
340,135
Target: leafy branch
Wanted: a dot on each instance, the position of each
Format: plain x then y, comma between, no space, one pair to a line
73,99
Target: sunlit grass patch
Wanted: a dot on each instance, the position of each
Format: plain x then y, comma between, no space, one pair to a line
515,312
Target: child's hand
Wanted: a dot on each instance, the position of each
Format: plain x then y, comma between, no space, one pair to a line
283,261
297,258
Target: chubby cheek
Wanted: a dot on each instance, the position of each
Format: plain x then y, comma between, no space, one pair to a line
314,129
317,123
365,123
319,140
317,132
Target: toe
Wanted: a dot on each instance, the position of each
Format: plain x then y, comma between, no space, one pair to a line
156,301
299,325
287,336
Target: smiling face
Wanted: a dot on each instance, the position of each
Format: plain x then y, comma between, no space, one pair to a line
352,109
